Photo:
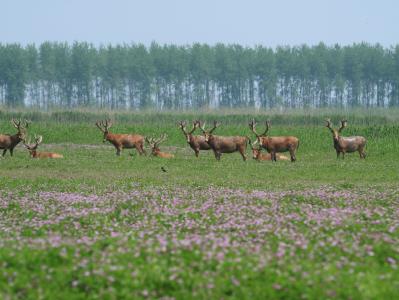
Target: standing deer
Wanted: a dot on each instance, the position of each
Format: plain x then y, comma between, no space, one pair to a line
8,141
224,144
121,141
275,144
33,147
154,144
259,156
346,144
196,142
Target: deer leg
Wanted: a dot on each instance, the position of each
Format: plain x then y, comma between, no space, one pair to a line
242,152
11,151
273,154
293,157
140,149
118,151
338,154
4,152
362,153
196,152
218,155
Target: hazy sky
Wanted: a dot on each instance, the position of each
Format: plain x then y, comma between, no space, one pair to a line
247,22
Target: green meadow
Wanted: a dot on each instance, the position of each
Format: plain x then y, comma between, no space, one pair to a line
94,225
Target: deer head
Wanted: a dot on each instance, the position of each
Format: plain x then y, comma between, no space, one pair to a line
208,134
335,132
252,126
154,143
104,126
255,150
20,127
182,126
33,147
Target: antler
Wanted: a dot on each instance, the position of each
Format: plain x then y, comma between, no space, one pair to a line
252,126
201,125
182,125
195,126
16,124
215,125
267,123
161,139
100,125
104,125
28,144
38,139
108,124
328,125
252,145
343,125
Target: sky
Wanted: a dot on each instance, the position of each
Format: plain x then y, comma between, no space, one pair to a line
184,22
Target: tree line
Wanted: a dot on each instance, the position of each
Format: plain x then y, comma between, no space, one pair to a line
134,76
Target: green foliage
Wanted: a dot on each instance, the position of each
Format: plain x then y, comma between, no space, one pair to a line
197,76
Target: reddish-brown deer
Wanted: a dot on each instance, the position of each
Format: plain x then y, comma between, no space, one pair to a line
275,144
196,142
32,148
346,144
121,141
8,141
224,144
154,144
259,156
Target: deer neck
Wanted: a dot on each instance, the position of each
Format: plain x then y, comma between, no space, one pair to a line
156,152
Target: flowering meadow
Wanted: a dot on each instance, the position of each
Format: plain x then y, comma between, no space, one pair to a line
94,225
208,243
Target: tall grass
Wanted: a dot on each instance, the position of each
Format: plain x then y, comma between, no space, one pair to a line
277,117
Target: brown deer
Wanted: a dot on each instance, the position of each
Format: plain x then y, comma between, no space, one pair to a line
346,144
154,144
224,144
8,141
259,156
196,142
32,148
275,144
120,141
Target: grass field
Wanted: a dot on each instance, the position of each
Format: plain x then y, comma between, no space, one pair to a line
97,226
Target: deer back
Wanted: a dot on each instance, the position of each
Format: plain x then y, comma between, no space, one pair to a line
279,143
227,143
351,143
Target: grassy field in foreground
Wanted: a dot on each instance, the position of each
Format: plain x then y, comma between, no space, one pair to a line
95,226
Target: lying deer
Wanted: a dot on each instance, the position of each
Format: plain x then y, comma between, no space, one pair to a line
346,144
32,148
120,141
196,142
224,144
8,141
259,156
154,144
276,144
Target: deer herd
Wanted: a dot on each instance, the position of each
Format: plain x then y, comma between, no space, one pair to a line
274,145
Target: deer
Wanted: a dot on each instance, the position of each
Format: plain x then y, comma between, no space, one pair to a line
196,142
224,144
8,141
32,148
275,144
349,144
121,141
259,156
154,144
